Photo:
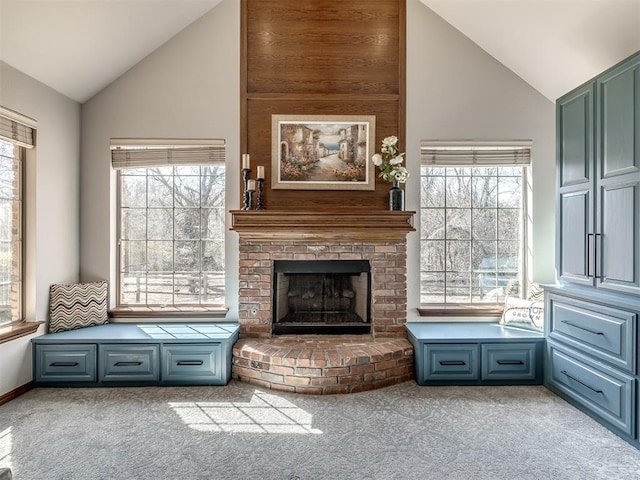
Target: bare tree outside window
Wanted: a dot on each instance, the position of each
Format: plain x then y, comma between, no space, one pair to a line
10,233
172,235
471,234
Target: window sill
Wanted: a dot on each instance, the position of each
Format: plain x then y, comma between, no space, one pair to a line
169,313
18,329
460,310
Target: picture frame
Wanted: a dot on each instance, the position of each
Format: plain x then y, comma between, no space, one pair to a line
322,152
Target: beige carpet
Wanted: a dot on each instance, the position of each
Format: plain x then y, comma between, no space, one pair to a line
242,432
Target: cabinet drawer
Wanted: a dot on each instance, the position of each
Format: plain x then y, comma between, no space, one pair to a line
65,363
509,361
133,363
606,392
192,364
451,362
604,332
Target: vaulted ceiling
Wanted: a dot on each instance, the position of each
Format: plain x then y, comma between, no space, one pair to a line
79,47
554,45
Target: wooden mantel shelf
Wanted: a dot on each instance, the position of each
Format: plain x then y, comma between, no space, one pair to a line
327,225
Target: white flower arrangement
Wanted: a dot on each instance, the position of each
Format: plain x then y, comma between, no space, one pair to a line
389,161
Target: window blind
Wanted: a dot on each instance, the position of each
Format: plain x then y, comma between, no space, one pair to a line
478,154
17,129
147,153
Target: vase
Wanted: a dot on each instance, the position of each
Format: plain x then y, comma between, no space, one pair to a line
396,197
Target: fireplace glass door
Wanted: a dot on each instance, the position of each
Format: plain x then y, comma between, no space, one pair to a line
322,297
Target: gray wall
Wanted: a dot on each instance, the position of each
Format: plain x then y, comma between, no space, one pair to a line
190,88
52,199
455,91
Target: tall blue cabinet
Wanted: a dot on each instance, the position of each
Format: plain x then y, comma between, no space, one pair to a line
592,315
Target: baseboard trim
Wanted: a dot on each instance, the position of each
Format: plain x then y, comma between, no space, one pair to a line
15,393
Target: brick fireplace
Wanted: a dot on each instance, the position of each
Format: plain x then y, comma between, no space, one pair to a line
388,280
376,237
323,363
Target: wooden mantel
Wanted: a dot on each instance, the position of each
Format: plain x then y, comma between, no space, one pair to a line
330,225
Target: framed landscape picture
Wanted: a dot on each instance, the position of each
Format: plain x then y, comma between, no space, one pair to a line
322,152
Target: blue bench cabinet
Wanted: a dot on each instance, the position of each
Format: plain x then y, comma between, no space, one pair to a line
119,354
475,354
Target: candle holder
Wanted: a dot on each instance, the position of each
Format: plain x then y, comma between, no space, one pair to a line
260,205
248,200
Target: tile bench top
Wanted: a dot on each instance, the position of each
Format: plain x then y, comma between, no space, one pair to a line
471,332
147,332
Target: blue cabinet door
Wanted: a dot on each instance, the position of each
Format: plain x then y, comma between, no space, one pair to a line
605,332
129,363
510,361
65,363
618,178
195,364
602,391
451,362
575,170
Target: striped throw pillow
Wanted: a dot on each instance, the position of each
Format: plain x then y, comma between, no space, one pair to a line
77,305
535,292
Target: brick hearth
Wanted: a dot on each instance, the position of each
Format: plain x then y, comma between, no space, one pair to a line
323,363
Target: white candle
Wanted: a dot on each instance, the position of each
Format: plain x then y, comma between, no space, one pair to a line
245,161
251,185
260,174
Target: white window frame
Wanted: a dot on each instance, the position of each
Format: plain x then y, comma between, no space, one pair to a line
151,153
15,302
469,154
20,131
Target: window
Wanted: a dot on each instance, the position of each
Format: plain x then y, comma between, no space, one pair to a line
10,232
473,228
17,133
172,223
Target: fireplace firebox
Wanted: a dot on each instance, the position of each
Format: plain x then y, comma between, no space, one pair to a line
321,297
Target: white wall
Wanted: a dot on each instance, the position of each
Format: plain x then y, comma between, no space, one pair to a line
457,91
188,88
54,192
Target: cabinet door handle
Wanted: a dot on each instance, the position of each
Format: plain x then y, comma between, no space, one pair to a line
597,254
590,259
564,372
63,364
571,324
190,362
127,364
510,362
447,363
